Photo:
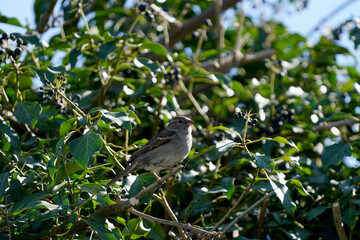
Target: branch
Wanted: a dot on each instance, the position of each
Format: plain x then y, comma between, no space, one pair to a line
176,224
328,125
122,205
158,182
195,22
45,17
235,60
338,221
247,211
163,201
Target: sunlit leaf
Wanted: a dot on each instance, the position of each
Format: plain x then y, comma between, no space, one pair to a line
334,154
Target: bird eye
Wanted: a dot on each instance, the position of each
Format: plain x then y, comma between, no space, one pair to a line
180,121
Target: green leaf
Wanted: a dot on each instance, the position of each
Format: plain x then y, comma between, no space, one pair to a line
223,128
84,147
71,167
298,186
157,232
225,146
142,181
4,183
118,117
28,112
156,48
228,184
104,233
67,126
263,161
11,21
283,194
28,200
101,196
10,135
284,141
105,49
316,212
333,154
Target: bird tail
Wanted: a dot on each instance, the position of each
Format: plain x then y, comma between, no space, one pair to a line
122,174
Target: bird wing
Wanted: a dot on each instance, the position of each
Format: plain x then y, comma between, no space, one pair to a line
158,140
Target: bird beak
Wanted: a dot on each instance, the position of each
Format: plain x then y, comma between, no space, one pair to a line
189,122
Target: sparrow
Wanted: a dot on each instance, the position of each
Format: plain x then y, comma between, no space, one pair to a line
164,150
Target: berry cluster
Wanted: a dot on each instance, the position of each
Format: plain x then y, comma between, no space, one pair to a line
148,14
251,121
51,93
174,74
11,45
283,115
129,73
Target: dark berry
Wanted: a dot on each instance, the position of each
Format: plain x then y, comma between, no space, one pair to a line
78,5
208,22
254,121
10,52
60,77
19,42
142,7
41,88
12,37
236,115
5,36
47,82
149,16
40,94
50,92
1,52
17,51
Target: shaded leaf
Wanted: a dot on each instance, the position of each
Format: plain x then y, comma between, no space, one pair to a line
317,211
10,135
4,183
27,112
156,48
263,161
228,184
103,232
333,154
84,147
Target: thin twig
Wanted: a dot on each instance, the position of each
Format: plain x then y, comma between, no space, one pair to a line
176,224
45,18
247,211
158,182
343,122
262,218
194,102
163,201
238,201
338,221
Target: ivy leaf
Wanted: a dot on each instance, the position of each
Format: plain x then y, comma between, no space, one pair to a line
142,181
263,161
104,233
3,184
283,194
10,134
67,126
156,48
84,147
333,154
118,117
298,186
27,112
316,212
228,184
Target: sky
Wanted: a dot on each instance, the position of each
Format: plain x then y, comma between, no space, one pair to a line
296,21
